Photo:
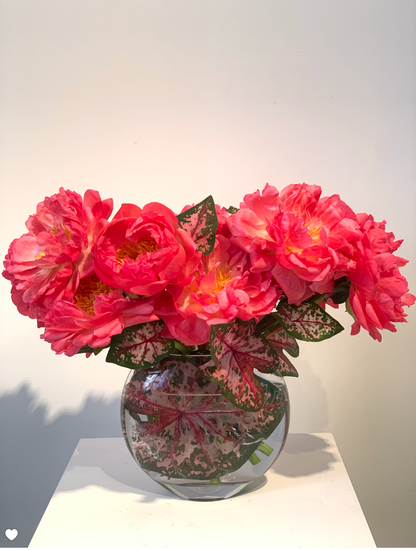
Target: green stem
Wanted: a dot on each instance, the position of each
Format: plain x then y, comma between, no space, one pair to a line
215,480
182,348
254,459
265,449
348,308
267,325
319,298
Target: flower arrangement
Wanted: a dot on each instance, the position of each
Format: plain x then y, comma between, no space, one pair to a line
239,284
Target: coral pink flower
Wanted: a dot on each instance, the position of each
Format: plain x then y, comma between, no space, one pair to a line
222,217
44,264
378,290
142,250
299,237
222,289
96,313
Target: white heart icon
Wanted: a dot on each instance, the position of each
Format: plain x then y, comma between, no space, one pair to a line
11,534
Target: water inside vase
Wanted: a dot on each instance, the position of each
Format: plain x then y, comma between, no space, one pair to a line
216,436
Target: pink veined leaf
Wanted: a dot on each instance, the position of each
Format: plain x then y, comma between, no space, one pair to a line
307,321
201,223
236,352
140,346
181,426
281,340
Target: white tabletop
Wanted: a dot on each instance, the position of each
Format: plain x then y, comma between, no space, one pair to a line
105,500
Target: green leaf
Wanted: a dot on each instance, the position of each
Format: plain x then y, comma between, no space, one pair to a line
201,223
232,209
236,352
85,349
140,346
307,322
341,290
266,325
94,351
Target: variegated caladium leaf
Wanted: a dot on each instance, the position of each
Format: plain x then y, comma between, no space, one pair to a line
232,209
307,321
281,340
236,352
281,337
140,346
201,223
182,427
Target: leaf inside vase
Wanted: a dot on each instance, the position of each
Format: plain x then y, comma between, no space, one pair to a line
182,427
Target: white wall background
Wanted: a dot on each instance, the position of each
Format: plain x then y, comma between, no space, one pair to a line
171,101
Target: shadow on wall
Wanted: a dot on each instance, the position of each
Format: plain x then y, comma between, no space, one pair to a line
308,399
34,454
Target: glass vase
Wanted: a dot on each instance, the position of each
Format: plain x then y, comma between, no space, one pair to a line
191,439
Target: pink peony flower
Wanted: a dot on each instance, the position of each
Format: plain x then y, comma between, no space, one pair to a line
86,279
222,289
378,290
142,250
95,314
222,217
44,264
300,238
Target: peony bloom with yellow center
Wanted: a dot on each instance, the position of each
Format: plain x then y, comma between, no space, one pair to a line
45,264
143,250
222,289
95,314
87,291
302,239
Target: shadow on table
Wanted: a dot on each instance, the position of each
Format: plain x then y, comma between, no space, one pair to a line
34,454
303,455
107,463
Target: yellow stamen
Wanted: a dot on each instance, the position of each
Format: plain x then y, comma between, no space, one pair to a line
223,276
133,250
314,233
39,256
87,290
290,249
54,230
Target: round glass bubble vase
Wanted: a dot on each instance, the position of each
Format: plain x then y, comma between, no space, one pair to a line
192,440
